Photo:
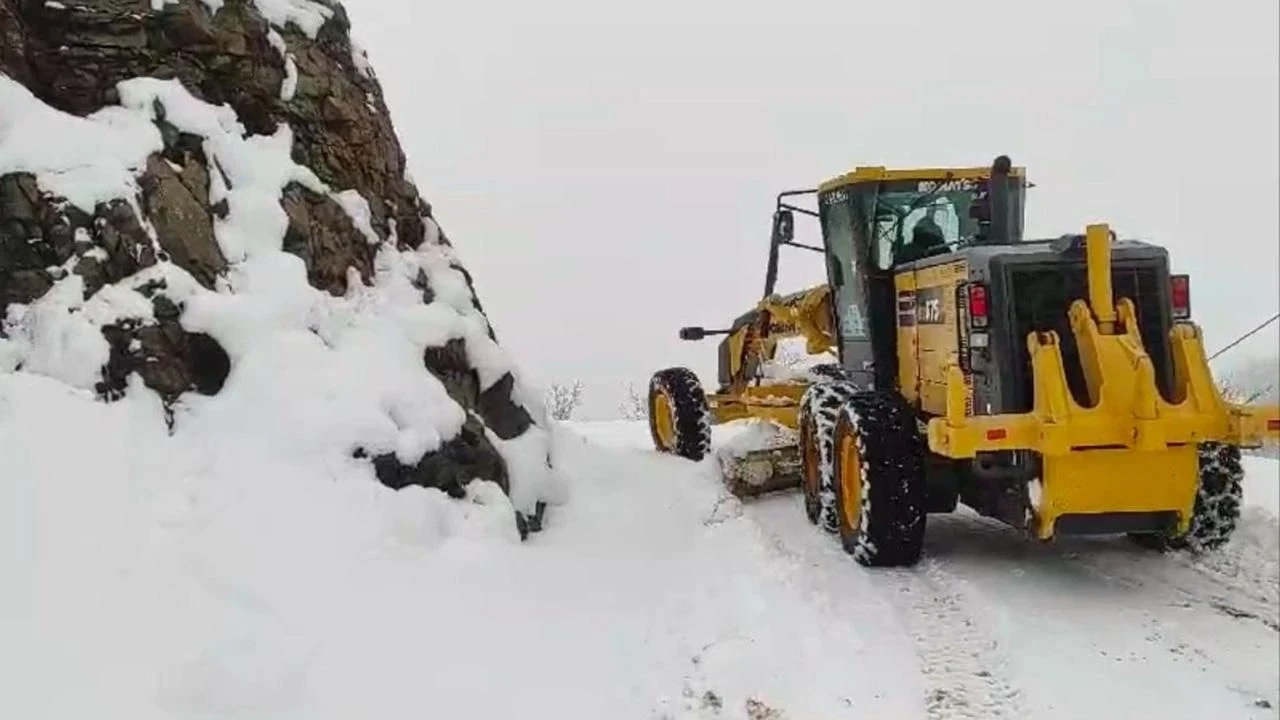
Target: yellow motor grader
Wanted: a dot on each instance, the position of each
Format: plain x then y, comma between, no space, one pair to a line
1058,385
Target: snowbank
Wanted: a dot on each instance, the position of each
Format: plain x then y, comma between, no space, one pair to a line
736,439
165,576
206,556
1262,484
180,575
313,376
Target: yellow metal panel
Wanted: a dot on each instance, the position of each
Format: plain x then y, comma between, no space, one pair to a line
880,174
735,342
805,314
1098,260
1117,480
779,393
784,416
908,369
779,403
938,344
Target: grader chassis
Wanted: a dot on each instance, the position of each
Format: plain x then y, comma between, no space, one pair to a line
974,366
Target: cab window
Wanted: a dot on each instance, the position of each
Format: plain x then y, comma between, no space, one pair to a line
920,220
850,303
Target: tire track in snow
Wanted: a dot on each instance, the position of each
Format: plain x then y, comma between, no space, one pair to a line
1236,583
1144,602
963,668
1240,580
960,659
1200,615
1224,584
941,605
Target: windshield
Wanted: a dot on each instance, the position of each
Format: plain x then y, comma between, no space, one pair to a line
912,217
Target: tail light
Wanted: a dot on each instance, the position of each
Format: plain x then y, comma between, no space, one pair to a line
977,305
1180,296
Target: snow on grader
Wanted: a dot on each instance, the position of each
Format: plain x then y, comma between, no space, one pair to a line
1058,385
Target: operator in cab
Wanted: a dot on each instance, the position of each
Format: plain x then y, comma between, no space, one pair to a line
927,240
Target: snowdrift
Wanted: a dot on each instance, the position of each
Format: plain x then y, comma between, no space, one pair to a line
217,368
159,245
312,378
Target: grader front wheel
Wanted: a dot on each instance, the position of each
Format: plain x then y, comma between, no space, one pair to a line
679,418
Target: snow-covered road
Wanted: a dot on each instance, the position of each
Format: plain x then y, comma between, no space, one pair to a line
992,625
151,576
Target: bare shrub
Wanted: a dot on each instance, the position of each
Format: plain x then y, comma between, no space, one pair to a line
562,400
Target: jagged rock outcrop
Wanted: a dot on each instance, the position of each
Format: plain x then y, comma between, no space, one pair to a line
276,65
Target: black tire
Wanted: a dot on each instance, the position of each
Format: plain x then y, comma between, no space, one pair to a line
828,372
1217,509
819,410
891,525
691,416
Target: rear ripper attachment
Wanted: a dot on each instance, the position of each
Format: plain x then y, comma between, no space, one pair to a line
1128,460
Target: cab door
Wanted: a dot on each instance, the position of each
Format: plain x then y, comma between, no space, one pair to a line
937,340
849,297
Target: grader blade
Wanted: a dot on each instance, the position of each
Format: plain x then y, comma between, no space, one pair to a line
766,459
754,473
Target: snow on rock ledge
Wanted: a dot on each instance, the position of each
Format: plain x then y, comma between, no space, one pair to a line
233,227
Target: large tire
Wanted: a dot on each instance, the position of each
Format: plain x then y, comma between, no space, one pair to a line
1217,509
677,395
880,455
828,372
819,409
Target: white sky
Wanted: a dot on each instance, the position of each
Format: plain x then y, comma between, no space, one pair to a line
607,170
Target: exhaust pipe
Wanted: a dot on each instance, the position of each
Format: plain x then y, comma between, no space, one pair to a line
999,195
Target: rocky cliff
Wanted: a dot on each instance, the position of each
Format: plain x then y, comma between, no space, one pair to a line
189,188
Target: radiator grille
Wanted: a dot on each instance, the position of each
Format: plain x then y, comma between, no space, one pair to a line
1040,298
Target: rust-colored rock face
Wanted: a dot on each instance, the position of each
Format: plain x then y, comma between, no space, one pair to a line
299,72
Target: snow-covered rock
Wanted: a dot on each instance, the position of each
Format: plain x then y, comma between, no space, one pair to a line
231,228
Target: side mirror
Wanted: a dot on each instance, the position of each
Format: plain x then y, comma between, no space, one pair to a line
784,226
692,333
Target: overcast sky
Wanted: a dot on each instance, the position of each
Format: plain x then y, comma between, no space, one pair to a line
607,170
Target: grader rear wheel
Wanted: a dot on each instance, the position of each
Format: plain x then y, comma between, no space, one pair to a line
880,480
1217,508
810,470
851,484
819,408
679,418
